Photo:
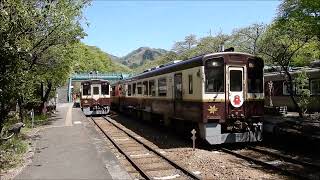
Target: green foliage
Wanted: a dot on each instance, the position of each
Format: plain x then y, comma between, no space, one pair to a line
35,36
246,39
288,41
283,41
305,12
302,89
306,54
90,58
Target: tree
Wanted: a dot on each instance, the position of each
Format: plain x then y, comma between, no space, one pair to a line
190,41
211,44
246,39
306,54
296,27
179,47
280,44
305,12
302,89
183,46
28,31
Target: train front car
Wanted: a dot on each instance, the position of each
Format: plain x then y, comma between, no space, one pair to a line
95,97
233,98
219,94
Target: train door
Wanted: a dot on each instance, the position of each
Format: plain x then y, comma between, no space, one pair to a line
96,91
235,88
177,93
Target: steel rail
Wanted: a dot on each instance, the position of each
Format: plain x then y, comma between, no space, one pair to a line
262,163
287,158
175,164
134,164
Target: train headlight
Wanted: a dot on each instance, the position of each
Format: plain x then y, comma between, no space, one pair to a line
214,64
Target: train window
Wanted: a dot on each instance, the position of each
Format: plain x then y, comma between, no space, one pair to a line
145,88
139,88
255,75
152,88
162,87
95,90
214,72
315,87
235,80
190,84
134,85
286,88
105,89
86,89
129,89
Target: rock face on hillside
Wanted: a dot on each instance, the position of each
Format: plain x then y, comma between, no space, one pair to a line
140,56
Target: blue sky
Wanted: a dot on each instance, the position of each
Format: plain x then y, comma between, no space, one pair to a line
118,27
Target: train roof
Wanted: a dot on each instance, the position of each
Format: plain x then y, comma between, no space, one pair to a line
93,81
181,65
279,75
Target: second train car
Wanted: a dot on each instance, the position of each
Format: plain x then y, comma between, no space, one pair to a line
221,95
95,97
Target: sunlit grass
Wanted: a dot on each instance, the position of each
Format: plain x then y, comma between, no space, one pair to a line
11,152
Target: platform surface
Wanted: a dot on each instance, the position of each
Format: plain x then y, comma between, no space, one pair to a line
71,148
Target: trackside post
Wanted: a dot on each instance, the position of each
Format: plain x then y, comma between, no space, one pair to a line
193,132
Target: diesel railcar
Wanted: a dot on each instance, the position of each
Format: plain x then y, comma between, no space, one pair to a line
95,97
221,95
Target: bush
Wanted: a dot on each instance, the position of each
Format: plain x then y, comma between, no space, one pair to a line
302,89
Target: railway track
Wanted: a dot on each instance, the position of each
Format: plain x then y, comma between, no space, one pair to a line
147,160
279,162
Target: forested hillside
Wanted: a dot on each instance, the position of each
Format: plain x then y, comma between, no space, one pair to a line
90,58
140,56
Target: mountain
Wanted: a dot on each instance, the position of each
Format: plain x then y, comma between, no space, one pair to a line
141,55
113,57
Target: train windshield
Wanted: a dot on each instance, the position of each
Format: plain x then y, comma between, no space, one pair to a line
86,89
95,90
235,80
255,75
214,72
105,88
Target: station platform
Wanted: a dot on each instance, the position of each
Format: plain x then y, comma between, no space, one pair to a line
71,148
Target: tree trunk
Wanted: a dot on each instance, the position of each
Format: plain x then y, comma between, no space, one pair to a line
45,97
290,82
3,114
1,124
